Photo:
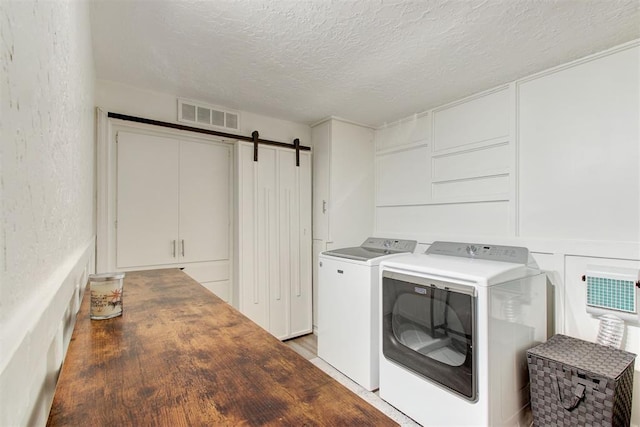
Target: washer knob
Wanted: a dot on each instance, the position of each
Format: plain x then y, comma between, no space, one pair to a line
472,249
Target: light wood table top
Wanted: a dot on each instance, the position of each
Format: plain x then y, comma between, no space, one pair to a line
180,356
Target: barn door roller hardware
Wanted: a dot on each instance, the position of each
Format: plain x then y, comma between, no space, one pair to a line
253,138
256,141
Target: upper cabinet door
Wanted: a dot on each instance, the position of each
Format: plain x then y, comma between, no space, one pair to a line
321,140
205,201
147,200
351,184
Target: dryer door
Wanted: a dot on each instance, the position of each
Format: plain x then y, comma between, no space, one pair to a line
428,327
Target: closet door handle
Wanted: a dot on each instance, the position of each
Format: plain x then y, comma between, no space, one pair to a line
324,206
174,248
182,247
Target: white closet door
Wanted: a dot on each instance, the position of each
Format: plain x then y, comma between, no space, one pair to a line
288,243
147,200
267,235
204,202
250,300
253,291
300,321
274,239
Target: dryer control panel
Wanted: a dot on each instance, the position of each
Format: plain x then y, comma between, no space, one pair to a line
514,254
389,245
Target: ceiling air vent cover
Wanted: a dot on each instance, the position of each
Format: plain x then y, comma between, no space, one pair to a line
198,113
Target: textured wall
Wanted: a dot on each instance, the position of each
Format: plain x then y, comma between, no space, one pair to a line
47,176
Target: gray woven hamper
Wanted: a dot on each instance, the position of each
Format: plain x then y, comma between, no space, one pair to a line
579,383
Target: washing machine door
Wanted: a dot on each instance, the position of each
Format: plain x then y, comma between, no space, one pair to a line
428,327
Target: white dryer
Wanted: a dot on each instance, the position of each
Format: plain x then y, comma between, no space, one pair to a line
456,322
348,292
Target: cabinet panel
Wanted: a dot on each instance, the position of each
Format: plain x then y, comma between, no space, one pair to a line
403,177
406,132
171,191
318,246
578,132
321,137
204,202
482,188
147,201
477,219
221,289
352,190
209,271
483,161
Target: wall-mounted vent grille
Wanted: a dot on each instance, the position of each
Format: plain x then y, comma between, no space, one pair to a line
208,115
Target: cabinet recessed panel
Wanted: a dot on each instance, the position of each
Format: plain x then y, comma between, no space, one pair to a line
489,160
475,120
403,177
147,193
205,202
579,150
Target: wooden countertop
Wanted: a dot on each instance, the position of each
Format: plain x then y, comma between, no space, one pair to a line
180,356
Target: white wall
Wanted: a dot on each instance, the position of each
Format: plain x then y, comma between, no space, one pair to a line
549,162
47,184
118,98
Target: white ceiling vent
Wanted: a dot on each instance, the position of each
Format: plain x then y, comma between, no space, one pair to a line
199,113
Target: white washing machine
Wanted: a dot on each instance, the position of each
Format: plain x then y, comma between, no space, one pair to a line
455,326
348,292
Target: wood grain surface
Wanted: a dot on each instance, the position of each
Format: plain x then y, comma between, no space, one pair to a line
180,356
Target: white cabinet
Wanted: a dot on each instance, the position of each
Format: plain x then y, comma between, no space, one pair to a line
147,200
343,192
472,154
274,239
204,201
343,187
454,175
173,206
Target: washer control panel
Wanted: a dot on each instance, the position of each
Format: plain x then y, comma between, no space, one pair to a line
513,254
389,245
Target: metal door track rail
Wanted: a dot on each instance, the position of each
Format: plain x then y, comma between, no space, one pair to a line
253,138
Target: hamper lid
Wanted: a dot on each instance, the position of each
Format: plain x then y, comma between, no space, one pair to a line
603,361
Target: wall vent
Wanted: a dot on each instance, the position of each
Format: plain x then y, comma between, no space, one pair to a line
202,114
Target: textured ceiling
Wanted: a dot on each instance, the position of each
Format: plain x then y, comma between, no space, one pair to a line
367,61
